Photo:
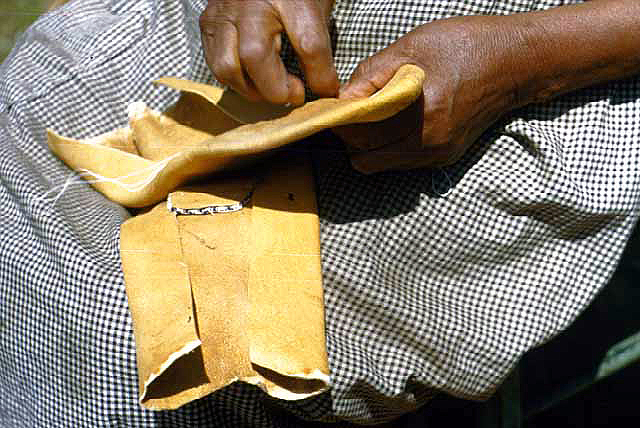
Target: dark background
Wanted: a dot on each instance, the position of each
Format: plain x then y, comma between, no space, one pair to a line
15,17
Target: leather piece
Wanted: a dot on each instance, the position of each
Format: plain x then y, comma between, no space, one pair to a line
231,296
235,147
248,282
159,293
285,262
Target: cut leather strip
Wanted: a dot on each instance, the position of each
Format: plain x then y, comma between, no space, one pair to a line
159,293
221,298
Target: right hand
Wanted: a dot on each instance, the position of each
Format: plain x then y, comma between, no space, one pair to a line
472,64
242,42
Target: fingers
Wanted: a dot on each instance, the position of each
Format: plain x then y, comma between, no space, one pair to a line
296,90
242,42
412,151
222,58
398,143
308,32
372,74
408,152
373,135
258,52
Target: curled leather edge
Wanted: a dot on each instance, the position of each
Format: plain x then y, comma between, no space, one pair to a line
138,182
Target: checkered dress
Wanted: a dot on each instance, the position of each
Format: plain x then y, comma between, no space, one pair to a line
435,280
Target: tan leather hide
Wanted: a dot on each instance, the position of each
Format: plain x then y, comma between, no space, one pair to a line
234,296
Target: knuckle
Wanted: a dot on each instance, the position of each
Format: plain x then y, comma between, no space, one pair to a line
216,14
252,51
205,17
363,69
225,70
312,46
208,16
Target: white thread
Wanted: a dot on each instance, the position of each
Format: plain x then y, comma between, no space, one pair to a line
66,184
53,200
169,203
78,178
154,170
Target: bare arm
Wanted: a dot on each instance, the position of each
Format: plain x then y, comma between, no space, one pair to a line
575,46
480,67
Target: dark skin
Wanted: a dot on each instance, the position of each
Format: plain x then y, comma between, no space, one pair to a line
241,40
478,68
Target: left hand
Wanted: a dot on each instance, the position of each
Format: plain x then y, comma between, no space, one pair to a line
470,65
242,42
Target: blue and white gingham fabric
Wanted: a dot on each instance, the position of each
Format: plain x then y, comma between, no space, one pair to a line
423,292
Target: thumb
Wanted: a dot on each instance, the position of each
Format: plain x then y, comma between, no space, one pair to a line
371,75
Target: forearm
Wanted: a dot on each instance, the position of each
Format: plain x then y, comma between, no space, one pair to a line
575,46
480,67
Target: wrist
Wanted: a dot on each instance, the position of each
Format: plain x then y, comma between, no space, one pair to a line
499,70
574,46
540,71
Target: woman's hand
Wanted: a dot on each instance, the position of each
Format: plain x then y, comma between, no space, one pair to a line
242,41
469,84
480,67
